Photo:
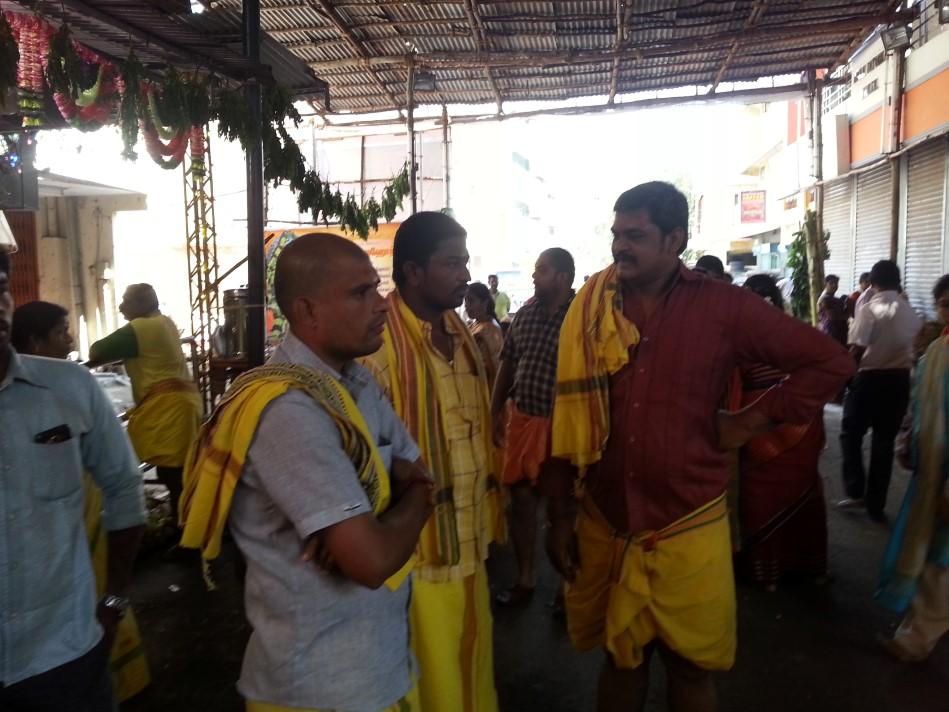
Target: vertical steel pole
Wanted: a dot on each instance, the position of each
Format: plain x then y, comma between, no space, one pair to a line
817,113
446,156
254,161
362,169
410,128
896,135
813,228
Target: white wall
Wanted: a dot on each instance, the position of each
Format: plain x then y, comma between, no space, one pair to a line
930,58
76,259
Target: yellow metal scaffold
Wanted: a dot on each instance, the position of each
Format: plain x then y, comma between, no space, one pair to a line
202,260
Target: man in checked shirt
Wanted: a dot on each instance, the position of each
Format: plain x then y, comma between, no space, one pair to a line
528,376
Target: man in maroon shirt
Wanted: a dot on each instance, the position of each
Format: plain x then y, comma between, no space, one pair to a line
647,547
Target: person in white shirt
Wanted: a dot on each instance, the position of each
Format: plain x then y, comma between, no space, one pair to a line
855,298
881,341
865,297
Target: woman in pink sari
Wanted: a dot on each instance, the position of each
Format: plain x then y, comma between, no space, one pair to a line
781,499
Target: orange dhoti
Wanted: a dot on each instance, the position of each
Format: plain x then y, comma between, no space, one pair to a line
526,447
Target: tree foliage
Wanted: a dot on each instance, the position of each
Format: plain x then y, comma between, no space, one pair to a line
797,261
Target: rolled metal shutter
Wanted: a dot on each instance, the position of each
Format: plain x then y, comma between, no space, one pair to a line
925,222
838,197
874,218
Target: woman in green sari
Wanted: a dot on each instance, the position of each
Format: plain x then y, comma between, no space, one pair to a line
916,565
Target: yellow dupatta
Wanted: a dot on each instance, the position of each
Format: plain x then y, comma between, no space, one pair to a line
127,662
217,458
414,391
594,343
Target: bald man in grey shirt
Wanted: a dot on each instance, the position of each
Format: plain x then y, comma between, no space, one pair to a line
326,637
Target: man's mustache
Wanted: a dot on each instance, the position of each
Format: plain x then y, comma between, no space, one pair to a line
623,257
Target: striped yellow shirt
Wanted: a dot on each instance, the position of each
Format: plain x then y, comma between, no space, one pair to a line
460,393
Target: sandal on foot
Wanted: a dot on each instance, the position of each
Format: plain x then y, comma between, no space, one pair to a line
515,596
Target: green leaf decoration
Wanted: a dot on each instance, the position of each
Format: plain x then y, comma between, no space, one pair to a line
132,105
65,70
9,56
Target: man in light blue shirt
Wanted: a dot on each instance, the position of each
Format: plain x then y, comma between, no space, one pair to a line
56,424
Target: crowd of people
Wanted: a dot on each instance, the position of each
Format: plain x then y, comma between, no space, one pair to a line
666,423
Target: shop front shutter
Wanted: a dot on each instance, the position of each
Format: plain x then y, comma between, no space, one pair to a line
838,197
925,222
873,218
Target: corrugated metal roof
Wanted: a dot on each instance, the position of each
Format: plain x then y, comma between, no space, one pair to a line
529,49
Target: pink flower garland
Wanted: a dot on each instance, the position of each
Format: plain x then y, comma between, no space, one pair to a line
174,149
108,88
99,112
32,36
198,166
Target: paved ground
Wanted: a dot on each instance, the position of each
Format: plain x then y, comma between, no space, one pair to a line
802,648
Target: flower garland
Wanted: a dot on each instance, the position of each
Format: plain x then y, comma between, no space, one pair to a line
85,109
174,149
93,108
171,113
155,133
196,148
32,37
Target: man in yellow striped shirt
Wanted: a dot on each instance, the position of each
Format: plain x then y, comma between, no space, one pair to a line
431,369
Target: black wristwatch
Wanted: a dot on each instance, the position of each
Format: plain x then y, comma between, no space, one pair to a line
118,604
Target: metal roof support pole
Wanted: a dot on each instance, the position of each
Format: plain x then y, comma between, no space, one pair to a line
817,114
410,130
896,136
254,161
446,156
362,169
623,14
814,229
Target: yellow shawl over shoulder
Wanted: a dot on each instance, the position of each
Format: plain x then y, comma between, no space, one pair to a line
594,343
217,458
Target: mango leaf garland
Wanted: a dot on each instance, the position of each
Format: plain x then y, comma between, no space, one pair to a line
65,70
132,105
284,163
233,117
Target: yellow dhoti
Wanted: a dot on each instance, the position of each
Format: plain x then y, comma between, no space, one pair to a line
452,641
165,424
675,586
127,663
409,703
